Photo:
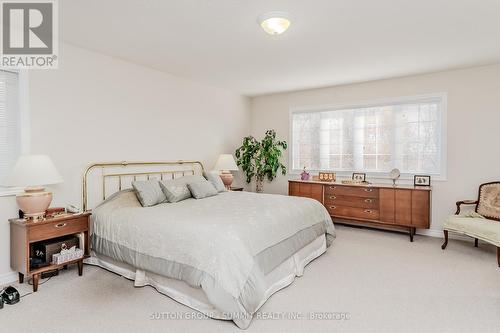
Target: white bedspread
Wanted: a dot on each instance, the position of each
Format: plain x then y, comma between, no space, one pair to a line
222,243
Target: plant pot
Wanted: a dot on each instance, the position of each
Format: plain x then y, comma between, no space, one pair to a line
259,186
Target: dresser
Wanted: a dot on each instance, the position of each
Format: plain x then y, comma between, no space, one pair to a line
400,207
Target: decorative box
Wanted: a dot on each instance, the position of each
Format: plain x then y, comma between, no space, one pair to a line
67,255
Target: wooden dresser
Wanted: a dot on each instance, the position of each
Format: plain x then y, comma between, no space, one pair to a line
377,205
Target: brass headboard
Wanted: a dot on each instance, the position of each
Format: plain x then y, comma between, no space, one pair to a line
120,176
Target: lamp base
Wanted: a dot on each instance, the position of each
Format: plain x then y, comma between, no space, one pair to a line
227,178
34,202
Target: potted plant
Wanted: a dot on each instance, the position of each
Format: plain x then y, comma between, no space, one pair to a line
261,159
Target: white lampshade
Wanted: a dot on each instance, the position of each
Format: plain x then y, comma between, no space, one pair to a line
33,170
226,162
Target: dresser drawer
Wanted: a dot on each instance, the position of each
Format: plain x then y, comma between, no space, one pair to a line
57,228
356,191
350,201
353,212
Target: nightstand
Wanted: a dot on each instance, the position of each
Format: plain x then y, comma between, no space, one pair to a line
236,188
23,233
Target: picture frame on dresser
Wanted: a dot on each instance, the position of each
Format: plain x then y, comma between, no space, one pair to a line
421,180
359,176
327,176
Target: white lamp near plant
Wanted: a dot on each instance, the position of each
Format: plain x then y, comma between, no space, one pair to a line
225,164
33,172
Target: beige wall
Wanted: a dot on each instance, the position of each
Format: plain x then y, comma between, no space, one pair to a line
98,108
473,132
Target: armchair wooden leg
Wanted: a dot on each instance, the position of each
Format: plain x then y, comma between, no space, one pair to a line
445,239
498,256
475,242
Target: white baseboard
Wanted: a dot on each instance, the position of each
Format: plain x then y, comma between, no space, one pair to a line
430,232
438,233
8,278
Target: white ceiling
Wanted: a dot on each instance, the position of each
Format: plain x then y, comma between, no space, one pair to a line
330,42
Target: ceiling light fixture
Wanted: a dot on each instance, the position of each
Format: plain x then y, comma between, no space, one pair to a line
274,23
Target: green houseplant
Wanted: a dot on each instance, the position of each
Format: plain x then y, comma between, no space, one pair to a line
261,159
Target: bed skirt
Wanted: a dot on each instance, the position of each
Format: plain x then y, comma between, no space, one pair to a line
222,306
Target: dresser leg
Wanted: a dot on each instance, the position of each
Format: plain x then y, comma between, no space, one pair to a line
411,234
36,278
21,278
80,268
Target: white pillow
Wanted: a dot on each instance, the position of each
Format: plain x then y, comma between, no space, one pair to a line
202,189
214,178
176,189
148,192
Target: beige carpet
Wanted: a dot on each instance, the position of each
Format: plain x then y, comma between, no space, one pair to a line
381,280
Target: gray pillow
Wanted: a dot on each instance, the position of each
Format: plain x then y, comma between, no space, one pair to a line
148,192
202,189
176,189
214,178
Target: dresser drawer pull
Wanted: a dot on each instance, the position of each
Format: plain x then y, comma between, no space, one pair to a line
60,225
333,207
331,187
368,200
333,197
369,211
368,189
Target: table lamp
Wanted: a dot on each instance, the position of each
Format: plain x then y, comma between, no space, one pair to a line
33,172
225,164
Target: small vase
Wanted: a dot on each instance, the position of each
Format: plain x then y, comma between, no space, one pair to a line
259,186
304,175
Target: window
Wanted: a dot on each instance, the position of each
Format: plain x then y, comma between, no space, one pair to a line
10,118
374,138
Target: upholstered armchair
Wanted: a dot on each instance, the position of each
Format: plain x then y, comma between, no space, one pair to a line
483,223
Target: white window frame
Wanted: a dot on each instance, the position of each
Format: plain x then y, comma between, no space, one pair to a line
24,123
442,176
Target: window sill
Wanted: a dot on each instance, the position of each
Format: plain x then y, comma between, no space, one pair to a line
10,192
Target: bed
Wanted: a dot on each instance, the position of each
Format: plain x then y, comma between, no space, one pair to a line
223,255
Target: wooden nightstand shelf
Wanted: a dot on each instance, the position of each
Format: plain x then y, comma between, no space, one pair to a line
23,233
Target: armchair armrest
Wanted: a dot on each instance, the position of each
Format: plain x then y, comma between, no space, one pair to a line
465,202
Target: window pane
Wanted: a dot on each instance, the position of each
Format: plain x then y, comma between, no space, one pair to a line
374,139
9,122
